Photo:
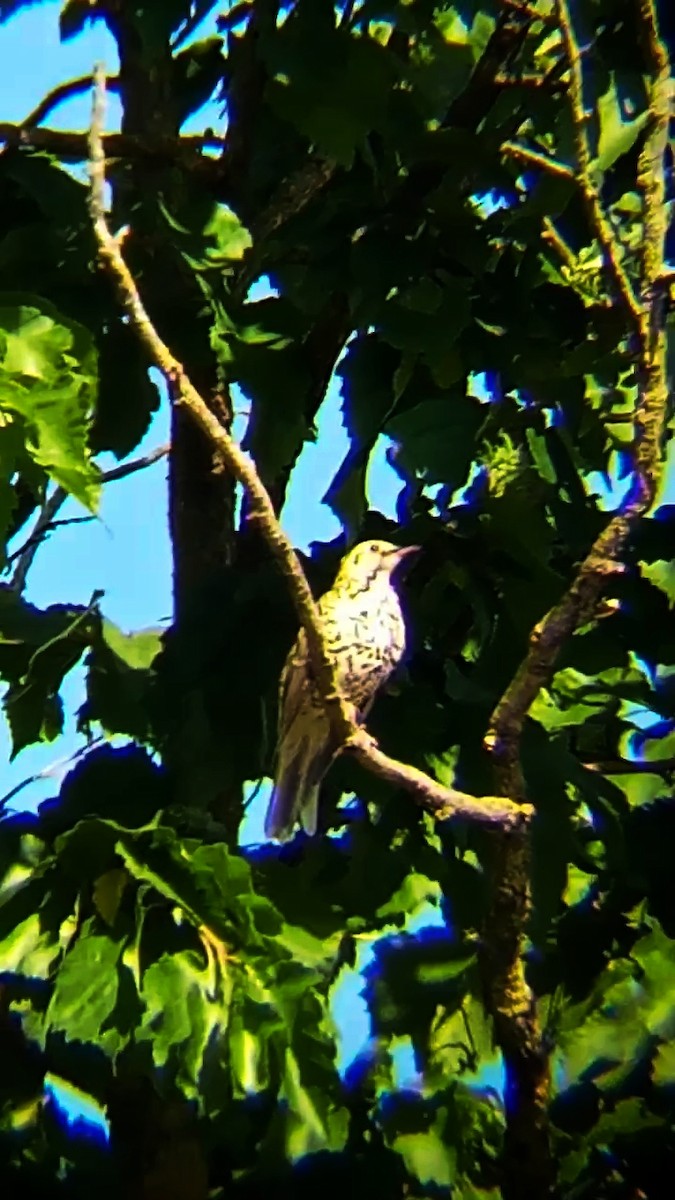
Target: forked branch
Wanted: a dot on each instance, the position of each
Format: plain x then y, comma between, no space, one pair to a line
527,1164
645,321
446,803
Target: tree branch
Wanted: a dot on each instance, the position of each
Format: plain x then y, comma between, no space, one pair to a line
27,553
536,159
51,506
646,317
527,1161
444,803
347,734
136,464
556,241
537,83
623,766
598,220
62,92
72,146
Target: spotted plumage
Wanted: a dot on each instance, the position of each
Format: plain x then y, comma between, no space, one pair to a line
365,633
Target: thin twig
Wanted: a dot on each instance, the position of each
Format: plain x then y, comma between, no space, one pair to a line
599,222
346,733
539,83
623,766
53,771
59,94
136,464
536,159
57,524
655,277
45,521
647,318
443,802
25,561
556,241
577,606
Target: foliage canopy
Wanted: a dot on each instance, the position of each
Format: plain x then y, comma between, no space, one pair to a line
418,181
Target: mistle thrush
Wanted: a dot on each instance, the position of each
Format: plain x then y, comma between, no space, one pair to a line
365,634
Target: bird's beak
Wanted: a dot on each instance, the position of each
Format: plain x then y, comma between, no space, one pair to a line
404,555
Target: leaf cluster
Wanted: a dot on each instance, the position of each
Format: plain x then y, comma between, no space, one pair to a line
457,292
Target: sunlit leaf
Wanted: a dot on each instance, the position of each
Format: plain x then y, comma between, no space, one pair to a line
48,374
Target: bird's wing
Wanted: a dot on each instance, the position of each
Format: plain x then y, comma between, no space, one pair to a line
293,684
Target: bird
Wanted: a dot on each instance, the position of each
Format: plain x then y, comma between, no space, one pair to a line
365,635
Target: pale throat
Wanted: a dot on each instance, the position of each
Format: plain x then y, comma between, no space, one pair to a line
380,588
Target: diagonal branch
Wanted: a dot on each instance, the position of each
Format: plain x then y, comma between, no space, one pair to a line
598,219
646,315
490,811
59,94
527,1160
45,521
535,158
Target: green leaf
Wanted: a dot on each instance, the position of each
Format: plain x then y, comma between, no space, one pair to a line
127,398
617,134
119,677
452,1143
334,90
153,22
48,375
436,439
426,1158
263,355
86,987
314,1122
28,949
663,1067
211,236
37,650
661,574
197,72
574,698
431,334
415,893
367,399
180,1015
604,1037
208,883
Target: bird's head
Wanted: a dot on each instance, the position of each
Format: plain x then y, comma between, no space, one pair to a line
371,561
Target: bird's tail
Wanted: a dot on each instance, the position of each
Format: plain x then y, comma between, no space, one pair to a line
296,790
